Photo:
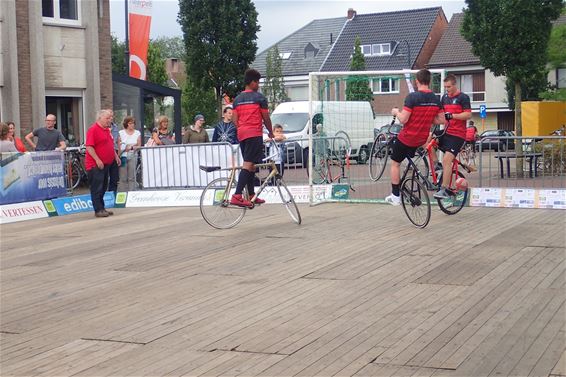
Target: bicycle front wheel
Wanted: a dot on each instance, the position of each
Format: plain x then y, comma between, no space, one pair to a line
378,157
415,201
457,198
215,206
288,201
319,170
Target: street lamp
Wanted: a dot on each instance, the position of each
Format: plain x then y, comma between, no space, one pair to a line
408,52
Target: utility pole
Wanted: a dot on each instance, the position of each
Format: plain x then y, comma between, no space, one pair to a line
127,43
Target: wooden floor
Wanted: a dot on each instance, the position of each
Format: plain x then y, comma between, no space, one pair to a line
354,291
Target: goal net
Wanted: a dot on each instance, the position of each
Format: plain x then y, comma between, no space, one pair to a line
347,111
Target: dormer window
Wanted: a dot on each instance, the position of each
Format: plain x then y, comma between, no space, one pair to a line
285,55
378,49
311,50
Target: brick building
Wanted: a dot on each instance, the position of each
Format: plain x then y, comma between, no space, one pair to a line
55,57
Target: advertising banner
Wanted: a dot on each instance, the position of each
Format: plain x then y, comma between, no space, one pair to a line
139,22
80,203
188,198
518,198
26,177
22,211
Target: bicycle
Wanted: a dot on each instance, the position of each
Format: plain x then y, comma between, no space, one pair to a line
75,172
223,215
324,159
414,188
380,150
468,154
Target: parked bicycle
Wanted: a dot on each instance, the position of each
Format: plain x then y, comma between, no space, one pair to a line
331,159
380,151
75,172
215,204
414,186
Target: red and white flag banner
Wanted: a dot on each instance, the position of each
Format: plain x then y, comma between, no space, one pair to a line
139,21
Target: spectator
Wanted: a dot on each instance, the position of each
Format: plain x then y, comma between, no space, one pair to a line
131,140
114,170
6,145
196,133
278,154
16,140
100,155
48,138
225,130
161,135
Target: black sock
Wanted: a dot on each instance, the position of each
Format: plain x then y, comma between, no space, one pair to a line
242,181
251,184
395,189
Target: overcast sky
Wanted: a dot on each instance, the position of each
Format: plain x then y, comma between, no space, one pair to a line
278,18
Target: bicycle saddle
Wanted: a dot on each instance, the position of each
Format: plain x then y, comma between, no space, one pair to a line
209,169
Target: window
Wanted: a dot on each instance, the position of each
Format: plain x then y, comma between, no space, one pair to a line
380,49
385,85
61,11
285,55
561,78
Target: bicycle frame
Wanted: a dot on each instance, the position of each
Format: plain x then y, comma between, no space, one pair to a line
232,177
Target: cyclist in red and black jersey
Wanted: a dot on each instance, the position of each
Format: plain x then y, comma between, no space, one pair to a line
250,113
457,110
422,108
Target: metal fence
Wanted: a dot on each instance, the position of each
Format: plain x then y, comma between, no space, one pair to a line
522,162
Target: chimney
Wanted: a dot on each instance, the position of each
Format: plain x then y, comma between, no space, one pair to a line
331,41
351,14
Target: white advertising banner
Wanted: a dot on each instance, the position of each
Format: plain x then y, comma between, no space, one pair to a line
187,198
518,198
22,211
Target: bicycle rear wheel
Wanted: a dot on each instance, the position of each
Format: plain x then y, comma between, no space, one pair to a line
215,206
415,201
378,157
73,174
457,199
341,145
288,200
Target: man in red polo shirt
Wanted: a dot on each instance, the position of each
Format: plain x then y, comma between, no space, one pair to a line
421,109
100,155
250,113
457,110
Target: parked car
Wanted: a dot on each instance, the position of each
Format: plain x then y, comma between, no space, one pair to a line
491,139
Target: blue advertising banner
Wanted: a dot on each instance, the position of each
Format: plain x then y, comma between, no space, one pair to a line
26,177
80,203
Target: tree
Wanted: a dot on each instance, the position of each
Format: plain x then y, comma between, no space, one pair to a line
220,40
556,59
510,37
156,72
195,100
171,47
118,56
357,87
274,86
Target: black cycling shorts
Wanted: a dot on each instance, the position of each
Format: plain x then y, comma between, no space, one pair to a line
400,151
450,143
252,149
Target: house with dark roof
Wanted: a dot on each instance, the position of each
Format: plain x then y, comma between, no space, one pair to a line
303,52
454,54
390,41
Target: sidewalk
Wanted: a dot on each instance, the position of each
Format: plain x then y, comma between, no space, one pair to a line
355,290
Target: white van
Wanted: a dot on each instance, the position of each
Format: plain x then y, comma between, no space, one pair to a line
355,118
